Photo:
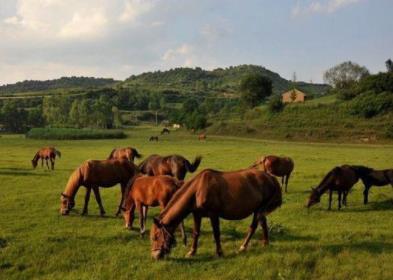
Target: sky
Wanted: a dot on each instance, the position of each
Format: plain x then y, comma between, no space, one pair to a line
47,39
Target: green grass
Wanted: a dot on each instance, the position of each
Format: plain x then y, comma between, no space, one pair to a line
74,133
36,242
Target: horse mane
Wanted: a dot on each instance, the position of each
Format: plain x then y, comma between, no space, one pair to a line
36,156
111,154
193,166
361,170
74,181
327,176
135,152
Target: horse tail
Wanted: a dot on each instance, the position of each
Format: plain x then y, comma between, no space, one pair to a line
135,152
275,200
361,171
111,154
192,167
57,152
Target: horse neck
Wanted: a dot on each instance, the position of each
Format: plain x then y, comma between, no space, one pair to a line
326,182
179,206
73,183
36,157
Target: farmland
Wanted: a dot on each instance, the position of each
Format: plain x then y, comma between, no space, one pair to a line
36,242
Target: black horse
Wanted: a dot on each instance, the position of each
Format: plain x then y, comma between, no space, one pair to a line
165,131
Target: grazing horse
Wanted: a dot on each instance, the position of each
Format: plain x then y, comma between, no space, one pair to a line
149,191
165,131
153,138
47,153
214,194
371,177
127,153
93,174
340,179
173,165
277,166
202,136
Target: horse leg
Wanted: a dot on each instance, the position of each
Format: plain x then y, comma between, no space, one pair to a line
52,162
195,235
250,233
345,198
330,199
42,162
123,189
139,206
183,233
215,222
46,161
98,199
87,198
145,208
339,200
286,181
265,229
365,193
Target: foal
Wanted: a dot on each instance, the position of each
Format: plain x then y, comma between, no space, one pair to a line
46,153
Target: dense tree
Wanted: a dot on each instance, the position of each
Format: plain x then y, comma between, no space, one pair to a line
389,65
190,105
35,118
13,118
345,74
254,89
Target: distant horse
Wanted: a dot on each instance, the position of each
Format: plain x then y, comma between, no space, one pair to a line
277,166
173,165
93,174
147,191
165,131
153,138
127,153
202,136
340,179
371,177
47,153
214,194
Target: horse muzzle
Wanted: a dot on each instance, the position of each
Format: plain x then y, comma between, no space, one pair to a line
157,254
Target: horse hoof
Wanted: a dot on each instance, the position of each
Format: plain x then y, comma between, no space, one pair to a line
190,254
242,249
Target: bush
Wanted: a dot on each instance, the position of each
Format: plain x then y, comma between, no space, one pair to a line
389,131
275,104
370,104
74,133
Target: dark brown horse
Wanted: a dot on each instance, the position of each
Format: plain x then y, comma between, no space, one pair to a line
214,194
340,179
165,131
149,191
371,177
173,165
127,153
277,166
93,174
153,138
46,153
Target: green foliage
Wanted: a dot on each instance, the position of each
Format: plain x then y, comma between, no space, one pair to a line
345,74
254,89
389,131
370,104
275,104
389,65
196,120
13,117
73,133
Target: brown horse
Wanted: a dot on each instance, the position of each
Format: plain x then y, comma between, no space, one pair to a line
127,153
46,153
202,136
149,191
371,177
173,165
165,131
214,194
340,179
153,138
277,166
93,174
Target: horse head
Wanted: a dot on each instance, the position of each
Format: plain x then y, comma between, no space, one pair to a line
66,204
162,240
315,197
34,163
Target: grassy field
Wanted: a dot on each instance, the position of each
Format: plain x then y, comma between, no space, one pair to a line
36,242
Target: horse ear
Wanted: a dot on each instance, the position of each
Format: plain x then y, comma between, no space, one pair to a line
157,222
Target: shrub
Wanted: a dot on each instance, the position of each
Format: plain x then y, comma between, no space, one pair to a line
74,133
275,104
389,131
370,104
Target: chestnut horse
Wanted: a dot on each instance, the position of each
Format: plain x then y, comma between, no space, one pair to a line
202,136
93,174
371,177
147,191
46,153
214,194
277,166
127,153
340,179
173,165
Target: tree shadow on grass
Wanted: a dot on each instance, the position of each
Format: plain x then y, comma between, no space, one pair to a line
20,172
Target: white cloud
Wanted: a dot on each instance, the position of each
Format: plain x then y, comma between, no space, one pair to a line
180,54
134,8
327,7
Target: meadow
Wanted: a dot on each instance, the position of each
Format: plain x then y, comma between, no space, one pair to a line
36,242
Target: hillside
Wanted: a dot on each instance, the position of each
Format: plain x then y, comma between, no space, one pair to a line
61,83
225,80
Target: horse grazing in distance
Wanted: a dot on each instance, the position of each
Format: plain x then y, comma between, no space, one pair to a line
202,136
127,153
46,153
277,166
371,177
340,179
165,131
93,174
172,165
147,191
214,194
153,138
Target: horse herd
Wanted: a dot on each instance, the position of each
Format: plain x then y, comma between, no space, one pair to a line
159,181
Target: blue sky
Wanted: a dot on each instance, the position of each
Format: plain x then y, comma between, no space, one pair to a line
44,39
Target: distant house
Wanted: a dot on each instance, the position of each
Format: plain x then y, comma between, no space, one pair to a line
293,95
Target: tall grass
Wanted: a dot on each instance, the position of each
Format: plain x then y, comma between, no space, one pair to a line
74,133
